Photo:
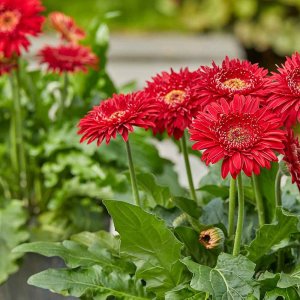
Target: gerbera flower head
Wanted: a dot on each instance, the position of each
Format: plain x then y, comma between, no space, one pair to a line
69,58
231,78
18,20
292,156
285,91
241,133
67,27
7,64
174,94
117,115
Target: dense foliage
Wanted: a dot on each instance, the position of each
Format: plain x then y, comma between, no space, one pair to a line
169,244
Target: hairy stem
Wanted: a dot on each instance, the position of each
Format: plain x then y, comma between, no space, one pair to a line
232,191
188,167
132,175
18,138
64,94
259,201
278,188
240,221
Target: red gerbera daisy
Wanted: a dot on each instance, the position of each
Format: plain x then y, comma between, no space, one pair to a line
292,157
67,27
117,115
18,19
285,90
7,64
69,58
174,94
233,77
240,132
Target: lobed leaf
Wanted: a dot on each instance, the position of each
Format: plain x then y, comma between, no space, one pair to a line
12,219
230,279
94,283
270,235
152,246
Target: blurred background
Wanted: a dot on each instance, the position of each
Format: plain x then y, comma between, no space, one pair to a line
266,29
159,34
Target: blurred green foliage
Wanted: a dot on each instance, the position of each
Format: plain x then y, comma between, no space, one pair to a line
258,24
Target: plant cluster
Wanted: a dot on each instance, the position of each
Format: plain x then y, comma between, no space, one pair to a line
236,236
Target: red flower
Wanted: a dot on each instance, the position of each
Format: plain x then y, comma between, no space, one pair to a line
69,58
292,157
240,132
285,91
7,64
233,77
18,19
67,27
117,115
178,103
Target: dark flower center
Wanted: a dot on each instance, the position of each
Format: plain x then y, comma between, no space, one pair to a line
206,238
9,20
237,131
293,80
175,96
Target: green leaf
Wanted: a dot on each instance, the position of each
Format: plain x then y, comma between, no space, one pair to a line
284,294
215,190
266,182
289,280
231,279
213,212
152,246
93,283
155,193
185,292
75,254
12,219
188,206
270,235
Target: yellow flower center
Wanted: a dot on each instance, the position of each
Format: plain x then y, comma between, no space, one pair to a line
235,84
9,20
116,115
175,96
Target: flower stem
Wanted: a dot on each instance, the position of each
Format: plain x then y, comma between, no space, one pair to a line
240,221
280,257
64,94
232,191
188,167
259,201
13,143
18,139
278,188
132,175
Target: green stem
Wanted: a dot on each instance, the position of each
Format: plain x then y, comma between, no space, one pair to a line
13,142
232,191
132,176
188,167
64,94
18,126
259,201
240,221
278,188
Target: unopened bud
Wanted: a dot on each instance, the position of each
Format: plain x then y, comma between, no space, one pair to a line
212,238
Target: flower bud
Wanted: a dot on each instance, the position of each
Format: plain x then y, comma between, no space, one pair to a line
212,238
